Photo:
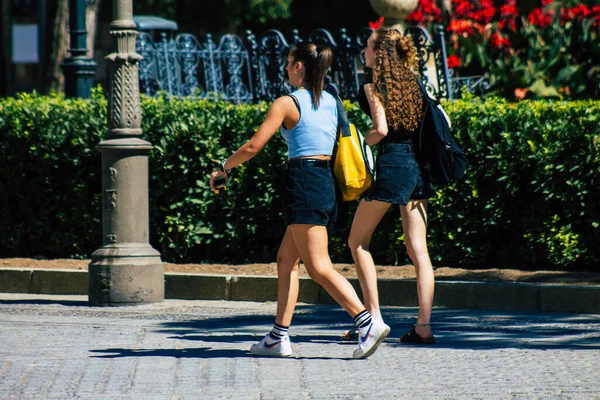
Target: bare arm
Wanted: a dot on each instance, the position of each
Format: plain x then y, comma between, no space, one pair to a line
278,111
380,128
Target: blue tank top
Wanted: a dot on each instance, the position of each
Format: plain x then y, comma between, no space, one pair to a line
316,130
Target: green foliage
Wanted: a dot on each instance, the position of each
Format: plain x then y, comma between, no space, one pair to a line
530,193
529,199
190,138
50,181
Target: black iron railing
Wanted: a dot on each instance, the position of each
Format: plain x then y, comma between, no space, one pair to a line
253,69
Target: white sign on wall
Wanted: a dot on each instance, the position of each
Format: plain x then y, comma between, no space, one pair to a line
25,48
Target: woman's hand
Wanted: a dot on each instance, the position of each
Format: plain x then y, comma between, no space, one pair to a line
216,174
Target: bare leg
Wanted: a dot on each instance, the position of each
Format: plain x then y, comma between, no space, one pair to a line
367,217
414,224
287,279
311,242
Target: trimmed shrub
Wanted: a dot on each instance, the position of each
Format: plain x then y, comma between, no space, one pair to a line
528,199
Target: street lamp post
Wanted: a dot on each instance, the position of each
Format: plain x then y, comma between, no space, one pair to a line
126,269
78,69
440,28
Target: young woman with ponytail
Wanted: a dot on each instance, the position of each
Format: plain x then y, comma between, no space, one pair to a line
308,121
395,102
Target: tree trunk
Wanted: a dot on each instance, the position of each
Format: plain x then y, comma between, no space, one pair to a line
58,41
91,22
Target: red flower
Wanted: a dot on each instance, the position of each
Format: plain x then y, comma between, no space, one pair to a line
483,16
566,90
509,9
461,27
430,8
539,18
416,17
498,41
510,22
579,11
453,61
461,8
427,11
376,24
596,15
520,93
547,2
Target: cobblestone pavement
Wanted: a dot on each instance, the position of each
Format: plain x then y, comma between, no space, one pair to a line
55,347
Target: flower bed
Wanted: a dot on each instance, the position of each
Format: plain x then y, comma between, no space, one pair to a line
552,50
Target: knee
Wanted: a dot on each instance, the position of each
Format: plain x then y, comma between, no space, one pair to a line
287,262
356,243
319,275
416,253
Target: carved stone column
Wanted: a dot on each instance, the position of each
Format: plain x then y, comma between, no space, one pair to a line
126,269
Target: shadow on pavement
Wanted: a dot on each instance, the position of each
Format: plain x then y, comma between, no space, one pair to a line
454,329
193,352
226,337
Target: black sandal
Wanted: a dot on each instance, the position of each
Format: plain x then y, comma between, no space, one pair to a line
350,336
412,337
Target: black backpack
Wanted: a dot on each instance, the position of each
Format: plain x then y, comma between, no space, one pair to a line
437,151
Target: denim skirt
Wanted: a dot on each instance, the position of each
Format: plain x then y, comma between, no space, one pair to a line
398,177
308,193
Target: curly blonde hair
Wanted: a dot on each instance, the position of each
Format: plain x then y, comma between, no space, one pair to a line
394,79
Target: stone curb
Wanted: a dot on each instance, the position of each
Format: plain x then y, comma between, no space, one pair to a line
393,292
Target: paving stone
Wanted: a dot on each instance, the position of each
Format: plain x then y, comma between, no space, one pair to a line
56,347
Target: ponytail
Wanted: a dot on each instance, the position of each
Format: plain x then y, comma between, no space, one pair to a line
322,64
317,61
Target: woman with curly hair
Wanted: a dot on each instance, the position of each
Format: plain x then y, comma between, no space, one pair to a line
396,104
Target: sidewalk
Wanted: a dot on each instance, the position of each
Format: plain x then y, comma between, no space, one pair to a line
534,297
55,347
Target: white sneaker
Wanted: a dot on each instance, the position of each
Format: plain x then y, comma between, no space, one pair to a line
273,348
370,337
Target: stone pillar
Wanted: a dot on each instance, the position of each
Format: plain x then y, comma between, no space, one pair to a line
126,269
78,69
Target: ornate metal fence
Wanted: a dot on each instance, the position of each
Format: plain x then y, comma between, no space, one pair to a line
254,69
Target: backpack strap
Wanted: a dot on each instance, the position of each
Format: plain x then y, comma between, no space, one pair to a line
343,123
427,103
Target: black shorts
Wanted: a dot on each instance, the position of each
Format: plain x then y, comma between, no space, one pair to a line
398,177
308,192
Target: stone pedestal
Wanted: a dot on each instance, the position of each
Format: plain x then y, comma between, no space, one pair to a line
126,269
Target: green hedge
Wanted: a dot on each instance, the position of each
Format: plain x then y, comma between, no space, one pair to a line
529,199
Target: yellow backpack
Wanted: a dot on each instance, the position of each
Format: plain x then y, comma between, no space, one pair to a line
353,160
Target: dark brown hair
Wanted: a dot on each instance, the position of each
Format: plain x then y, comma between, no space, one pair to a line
317,61
394,79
